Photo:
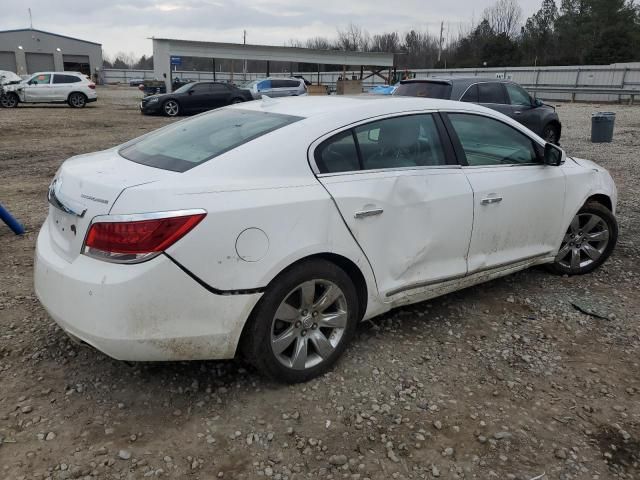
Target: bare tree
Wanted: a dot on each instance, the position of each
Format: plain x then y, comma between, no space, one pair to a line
385,42
353,38
504,17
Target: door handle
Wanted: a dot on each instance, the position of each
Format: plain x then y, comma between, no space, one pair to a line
368,213
517,112
490,200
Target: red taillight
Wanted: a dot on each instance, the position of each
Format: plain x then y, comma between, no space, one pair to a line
92,86
137,240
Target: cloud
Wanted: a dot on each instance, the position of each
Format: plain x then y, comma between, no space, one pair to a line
126,26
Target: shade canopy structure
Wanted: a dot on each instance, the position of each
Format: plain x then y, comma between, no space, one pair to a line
166,49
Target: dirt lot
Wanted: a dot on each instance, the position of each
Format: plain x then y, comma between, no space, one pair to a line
506,380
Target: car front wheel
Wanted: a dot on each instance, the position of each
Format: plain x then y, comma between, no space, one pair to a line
171,108
10,100
589,241
77,100
303,322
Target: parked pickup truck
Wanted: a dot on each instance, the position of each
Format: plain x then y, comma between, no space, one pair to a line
73,88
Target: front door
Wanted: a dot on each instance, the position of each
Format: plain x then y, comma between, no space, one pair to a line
518,201
408,207
38,88
522,108
197,98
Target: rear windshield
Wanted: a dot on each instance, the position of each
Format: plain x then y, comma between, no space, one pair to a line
424,89
187,144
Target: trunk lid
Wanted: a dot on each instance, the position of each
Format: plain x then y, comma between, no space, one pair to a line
87,186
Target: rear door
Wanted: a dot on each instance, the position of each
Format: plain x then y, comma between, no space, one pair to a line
493,95
409,208
38,88
62,86
518,201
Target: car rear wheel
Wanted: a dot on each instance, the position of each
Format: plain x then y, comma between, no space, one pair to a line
589,241
10,100
77,100
236,100
551,133
303,322
171,108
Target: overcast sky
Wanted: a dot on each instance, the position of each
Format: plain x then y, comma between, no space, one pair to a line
126,25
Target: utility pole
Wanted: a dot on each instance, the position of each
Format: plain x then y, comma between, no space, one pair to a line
441,39
244,66
30,19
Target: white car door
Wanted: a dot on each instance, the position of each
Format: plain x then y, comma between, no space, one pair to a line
408,207
61,86
38,88
518,200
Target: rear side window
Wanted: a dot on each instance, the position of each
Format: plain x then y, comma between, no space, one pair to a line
471,95
187,144
491,93
201,88
65,79
400,142
219,88
338,154
424,89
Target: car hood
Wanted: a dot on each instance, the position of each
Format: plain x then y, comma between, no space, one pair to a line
7,77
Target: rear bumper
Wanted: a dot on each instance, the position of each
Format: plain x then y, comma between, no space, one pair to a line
91,100
151,311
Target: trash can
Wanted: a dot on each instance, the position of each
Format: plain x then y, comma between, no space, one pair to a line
602,124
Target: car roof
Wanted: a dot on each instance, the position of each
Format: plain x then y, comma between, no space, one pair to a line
354,107
451,79
59,73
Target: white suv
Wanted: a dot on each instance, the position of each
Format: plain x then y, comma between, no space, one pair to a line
73,88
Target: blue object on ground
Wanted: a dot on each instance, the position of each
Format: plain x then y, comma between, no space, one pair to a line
14,225
383,89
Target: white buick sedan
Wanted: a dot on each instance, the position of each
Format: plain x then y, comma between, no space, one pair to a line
272,228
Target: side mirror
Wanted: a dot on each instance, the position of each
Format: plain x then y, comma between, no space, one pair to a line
190,92
537,102
553,155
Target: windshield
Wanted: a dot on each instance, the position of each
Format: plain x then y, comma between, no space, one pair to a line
184,88
192,142
424,89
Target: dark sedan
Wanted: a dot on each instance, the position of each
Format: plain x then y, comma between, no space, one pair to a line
502,95
194,98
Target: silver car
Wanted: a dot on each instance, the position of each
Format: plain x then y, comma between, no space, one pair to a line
276,87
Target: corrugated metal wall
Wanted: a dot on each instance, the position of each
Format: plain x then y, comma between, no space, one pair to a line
606,76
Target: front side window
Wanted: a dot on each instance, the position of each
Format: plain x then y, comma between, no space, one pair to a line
187,144
471,95
42,79
491,93
517,95
486,141
264,85
399,142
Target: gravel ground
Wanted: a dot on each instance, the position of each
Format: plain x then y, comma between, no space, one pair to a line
506,380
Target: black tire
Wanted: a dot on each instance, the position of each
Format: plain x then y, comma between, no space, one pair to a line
261,331
9,100
77,100
236,100
551,133
578,241
171,108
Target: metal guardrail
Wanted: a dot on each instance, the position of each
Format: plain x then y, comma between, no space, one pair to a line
573,91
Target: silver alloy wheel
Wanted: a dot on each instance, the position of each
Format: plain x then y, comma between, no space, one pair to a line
77,100
585,241
171,108
309,324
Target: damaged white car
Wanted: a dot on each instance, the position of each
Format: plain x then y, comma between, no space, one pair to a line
72,88
272,228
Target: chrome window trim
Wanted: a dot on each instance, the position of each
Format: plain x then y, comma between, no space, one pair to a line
390,169
311,157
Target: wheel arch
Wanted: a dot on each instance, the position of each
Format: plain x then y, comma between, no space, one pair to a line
348,265
556,123
77,91
602,199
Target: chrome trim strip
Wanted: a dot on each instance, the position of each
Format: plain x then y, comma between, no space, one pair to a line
386,170
458,277
138,217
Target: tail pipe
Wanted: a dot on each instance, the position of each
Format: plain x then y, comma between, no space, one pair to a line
13,224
